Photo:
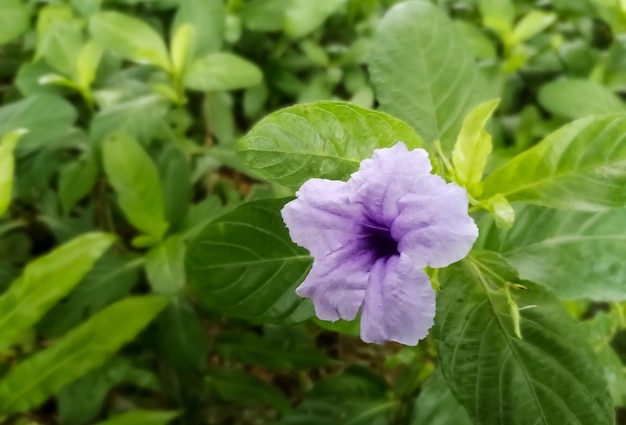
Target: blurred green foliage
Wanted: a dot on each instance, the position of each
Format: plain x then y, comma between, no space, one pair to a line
118,125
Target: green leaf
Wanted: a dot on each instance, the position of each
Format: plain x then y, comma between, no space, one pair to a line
265,15
436,405
581,166
222,71
241,387
139,117
52,15
524,135
28,79
355,397
129,38
244,264
547,376
87,63
7,166
45,281
206,17
201,214
60,46
80,402
59,80
165,266
320,140
601,331
83,349
254,99
574,254
220,113
473,148
315,53
77,180
46,117
86,8
182,341
498,15
14,19
141,417
500,209
177,186
304,16
573,98
349,412
136,181
423,72
182,46
532,24
480,44
346,327
110,279
276,354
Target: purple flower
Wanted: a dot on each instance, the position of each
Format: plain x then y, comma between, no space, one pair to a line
371,237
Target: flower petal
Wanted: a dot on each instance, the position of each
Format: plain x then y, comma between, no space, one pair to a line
399,303
383,179
337,282
433,226
321,219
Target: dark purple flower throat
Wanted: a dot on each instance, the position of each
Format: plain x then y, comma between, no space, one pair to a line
380,242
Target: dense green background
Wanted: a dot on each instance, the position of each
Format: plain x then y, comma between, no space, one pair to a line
122,302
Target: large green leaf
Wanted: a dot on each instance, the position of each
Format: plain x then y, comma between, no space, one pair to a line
129,37
572,98
46,117
481,45
581,166
207,18
548,376
423,71
574,254
436,405
244,265
45,281
135,178
84,348
222,71
320,140
14,19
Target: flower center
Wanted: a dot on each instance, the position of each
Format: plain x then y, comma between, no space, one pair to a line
380,242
